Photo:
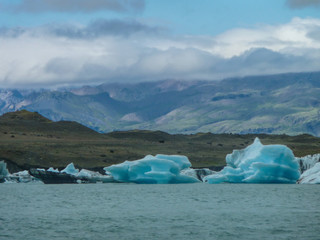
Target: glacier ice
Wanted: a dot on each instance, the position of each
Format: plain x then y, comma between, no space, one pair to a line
3,170
197,173
258,163
160,169
70,169
83,176
93,177
308,161
18,177
70,175
21,177
311,176
51,169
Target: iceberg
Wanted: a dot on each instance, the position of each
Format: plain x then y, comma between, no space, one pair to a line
3,171
258,163
69,175
87,176
159,169
197,173
70,169
21,177
311,176
51,169
308,161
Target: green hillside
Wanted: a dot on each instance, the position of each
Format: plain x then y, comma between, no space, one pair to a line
29,140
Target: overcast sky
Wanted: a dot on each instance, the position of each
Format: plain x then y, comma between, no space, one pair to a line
54,43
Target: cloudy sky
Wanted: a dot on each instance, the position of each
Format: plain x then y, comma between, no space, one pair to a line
54,43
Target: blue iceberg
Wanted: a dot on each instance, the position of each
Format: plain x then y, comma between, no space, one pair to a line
161,169
3,171
258,163
51,169
70,169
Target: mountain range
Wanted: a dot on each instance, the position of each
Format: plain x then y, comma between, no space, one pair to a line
276,104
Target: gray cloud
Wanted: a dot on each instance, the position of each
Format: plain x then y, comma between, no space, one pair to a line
105,27
38,6
303,3
259,61
113,51
96,29
11,32
314,34
184,64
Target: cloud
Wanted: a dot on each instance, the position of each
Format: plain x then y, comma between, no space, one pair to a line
132,51
303,3
293,35
315,34
38,6
104,27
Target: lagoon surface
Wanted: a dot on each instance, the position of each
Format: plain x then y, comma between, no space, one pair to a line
181,211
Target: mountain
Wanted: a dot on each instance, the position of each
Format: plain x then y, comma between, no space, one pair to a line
28,140
277,104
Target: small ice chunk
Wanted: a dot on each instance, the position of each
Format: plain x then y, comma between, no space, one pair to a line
94,177
258,163
70,169
51,169
161,169
197,173
3,170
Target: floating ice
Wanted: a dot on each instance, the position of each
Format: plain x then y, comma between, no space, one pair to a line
93,177
21,177
258,163
311,176
197,173
70,169
3,171
70,175
51,169
308,161
152,169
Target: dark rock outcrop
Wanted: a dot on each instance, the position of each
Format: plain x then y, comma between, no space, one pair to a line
52,177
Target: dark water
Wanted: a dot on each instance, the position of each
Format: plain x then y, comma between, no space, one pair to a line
129,211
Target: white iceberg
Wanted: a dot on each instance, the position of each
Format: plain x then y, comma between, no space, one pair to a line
311,176
159,169
71,175
21,177
93,177
308,161
197,173
258,163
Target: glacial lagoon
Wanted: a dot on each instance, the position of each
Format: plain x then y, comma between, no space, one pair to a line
141,211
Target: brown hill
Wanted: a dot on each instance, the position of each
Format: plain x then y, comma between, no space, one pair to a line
29,140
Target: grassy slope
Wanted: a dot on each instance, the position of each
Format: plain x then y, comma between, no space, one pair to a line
30,140
287,103
291,110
